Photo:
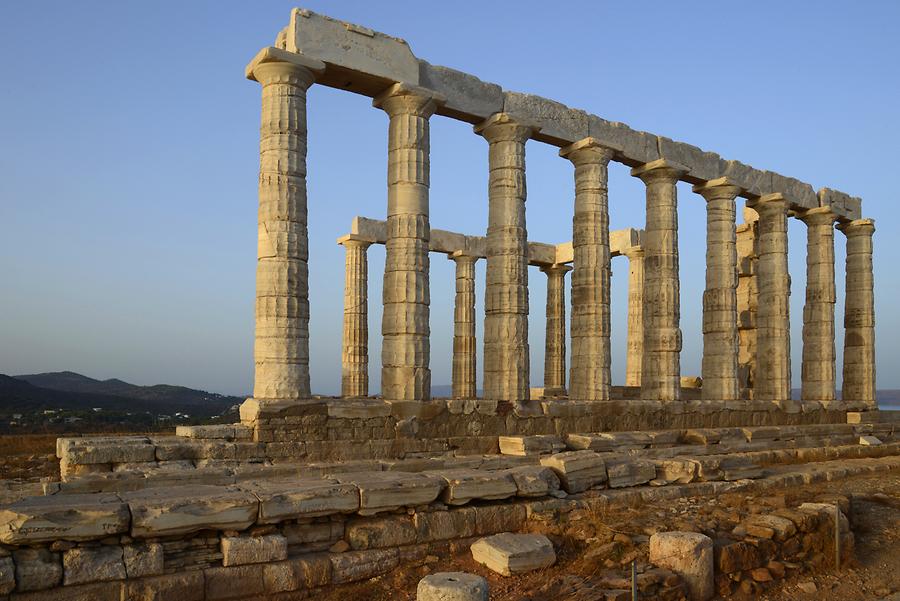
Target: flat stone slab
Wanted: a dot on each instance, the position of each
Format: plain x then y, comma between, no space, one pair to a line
577,470
509,553
105,449
534,480
281,500
630,473
185,509
387,491
63,517
524,446
452,586
464,485
869,441
609,441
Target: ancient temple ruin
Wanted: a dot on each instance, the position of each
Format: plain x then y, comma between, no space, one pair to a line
307,492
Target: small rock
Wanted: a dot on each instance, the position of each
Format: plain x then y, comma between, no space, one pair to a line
761,575
339,547
808,587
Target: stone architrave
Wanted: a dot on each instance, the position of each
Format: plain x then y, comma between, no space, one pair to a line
720,335
281,347
590,376
773,332
555,339
464,343
635,336
818,368
859,313
355,345
661,363
405,352
506,356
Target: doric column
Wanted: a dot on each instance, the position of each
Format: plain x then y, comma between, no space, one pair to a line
590,378
464,349
859,313
506,358
661,363
635,336
355,344
720,336
747,299
281,345
818,370
405,351
555,339
773,333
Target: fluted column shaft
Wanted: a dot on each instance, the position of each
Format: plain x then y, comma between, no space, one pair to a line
506,355
464,349
720,335
405,351
281,343
355,344
859,313
590,376
773,334
555,338
661,363
635,335
818,367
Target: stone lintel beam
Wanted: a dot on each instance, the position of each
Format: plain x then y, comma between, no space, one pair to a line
846,207
540,254
364,61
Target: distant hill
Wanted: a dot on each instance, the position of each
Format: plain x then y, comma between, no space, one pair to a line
69,390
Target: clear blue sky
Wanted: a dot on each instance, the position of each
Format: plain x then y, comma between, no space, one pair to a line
129,162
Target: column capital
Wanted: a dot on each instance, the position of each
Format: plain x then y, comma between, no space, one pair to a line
556,268
858,227
355,240
463,256
660,169
404,98
818,216
588,150
776,201
634,251
502,127
722,187
274,65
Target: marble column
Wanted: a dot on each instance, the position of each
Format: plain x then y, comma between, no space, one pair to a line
747,299
661,363
405,351
818,367
464,349
635,335
859,313
555,339
355,344
281,344
720,335
589,379
773,332
506,367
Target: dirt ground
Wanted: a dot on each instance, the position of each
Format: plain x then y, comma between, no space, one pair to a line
28,457
873,574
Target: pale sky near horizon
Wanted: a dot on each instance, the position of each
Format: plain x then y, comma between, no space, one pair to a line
129,162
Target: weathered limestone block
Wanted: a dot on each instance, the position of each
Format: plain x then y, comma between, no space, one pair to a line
770,526
452,586
505,517
71,517
630,473
380,533
444,525
704,166
690,555
184,509
577,470
243,550
726,467
7,575
235,582
223,431
523,446
632,147
362,565
534,480
108,449
553,122
464,485
93,564
468,98
37,569
869,440
281,500
608,441
509,554
183,586
312,570
99,591
680,471
143,560
387,491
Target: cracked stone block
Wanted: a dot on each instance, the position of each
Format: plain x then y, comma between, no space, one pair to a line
577,470
630,473
281,500
178,510
73,517
464,485
534,480
387,491
509,554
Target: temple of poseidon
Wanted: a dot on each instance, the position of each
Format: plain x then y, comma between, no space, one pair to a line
309,492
